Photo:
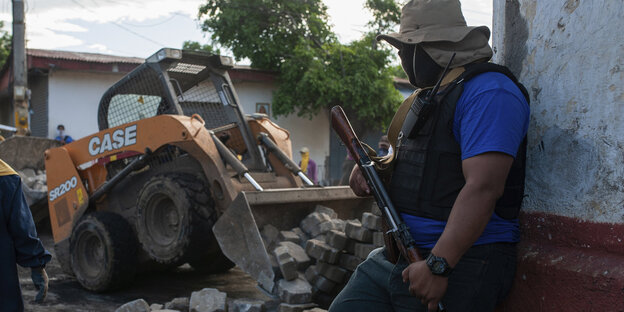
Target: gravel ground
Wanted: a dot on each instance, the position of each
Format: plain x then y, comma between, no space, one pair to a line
66,294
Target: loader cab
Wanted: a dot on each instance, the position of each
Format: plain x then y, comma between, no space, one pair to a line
181,82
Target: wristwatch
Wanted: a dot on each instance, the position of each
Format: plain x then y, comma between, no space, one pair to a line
438,265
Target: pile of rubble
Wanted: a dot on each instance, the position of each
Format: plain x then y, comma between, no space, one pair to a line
33,184
207,300
312,263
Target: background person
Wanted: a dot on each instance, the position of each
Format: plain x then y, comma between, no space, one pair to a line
62,136
18,243
307,165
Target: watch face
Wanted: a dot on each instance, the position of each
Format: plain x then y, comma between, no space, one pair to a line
438,267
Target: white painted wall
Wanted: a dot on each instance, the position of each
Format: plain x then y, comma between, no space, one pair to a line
570,56
312,133
73,99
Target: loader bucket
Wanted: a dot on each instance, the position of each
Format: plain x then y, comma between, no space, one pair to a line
237,230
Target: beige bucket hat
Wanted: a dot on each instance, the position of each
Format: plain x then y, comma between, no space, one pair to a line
439,26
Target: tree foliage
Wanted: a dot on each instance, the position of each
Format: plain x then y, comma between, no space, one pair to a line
265,31
316,71
386,15
196,46
5,44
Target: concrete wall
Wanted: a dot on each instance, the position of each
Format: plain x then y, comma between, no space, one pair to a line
73,101
569,55
313,133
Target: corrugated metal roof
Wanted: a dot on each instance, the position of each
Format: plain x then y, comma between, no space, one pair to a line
84,57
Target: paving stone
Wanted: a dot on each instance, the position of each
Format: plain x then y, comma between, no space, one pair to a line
335,224
315,310
371,221
245,305
356,231
311,273
350,248
288,236
303,237
378,239
180,303
296,291
375,210
311,223
349,262
138,305
208,300
285,307
336,239
320,237
166,310
319,250
362,250
298,253
275,266
332,272
326,210
156,306
287,264
324,284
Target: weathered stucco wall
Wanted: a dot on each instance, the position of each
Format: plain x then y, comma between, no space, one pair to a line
570,56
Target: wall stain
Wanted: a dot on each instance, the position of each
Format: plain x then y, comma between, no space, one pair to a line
561,24
571,105
571,5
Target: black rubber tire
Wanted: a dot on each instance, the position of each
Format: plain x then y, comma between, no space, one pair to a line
175,214
211,261
103,250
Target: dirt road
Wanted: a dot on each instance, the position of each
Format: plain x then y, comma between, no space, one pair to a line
65,294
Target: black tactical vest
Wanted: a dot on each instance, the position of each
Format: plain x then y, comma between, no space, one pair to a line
427,176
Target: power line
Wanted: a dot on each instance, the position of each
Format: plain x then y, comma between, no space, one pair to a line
121,26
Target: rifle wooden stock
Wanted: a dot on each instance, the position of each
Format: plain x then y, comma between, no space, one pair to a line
343,128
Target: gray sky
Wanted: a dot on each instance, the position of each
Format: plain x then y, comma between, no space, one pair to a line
141,27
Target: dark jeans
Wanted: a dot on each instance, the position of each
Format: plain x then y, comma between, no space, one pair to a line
480,280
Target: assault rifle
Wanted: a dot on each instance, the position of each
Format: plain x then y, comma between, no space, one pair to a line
399,230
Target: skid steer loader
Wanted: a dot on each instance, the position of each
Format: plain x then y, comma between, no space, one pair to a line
174,158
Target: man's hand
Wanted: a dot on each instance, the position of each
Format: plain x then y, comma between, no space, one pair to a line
358,183
40,279
424,285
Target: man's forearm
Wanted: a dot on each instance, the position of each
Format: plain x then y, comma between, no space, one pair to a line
470,214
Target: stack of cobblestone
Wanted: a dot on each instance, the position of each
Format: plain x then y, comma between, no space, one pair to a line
314,261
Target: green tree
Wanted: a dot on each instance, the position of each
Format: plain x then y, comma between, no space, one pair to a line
5,44
316,71
265,31
196,46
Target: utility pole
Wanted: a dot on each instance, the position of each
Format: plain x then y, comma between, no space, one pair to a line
21,93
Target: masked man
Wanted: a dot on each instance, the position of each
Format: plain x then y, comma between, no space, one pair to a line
458,175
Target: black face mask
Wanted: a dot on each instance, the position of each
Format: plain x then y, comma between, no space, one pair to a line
421,69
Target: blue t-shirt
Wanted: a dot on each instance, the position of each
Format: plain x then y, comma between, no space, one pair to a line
492,115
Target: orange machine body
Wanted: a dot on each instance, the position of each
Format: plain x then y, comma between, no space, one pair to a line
76,170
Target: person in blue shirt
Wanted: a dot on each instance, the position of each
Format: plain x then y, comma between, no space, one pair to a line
383,146
18,243
457,180
61,136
